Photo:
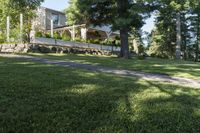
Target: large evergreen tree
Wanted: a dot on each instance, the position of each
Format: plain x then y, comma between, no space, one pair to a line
179,6
122,15
164,35
75,15
195,24
173,27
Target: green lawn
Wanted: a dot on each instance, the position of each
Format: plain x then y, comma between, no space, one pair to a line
43,98
175,68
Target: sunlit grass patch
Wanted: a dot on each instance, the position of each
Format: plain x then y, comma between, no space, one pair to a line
175,68
83,88
45,98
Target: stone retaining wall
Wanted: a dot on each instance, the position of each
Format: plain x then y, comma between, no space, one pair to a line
25,48
14,48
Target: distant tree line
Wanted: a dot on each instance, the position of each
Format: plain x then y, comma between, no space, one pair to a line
177,29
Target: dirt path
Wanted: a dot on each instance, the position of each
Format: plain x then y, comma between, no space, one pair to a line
146,76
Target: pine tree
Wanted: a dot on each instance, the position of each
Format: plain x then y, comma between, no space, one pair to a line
75,15
171,21
123,15
163,36
196,26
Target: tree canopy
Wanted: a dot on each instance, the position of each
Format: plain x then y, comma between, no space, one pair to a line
167,34
13,9
122,15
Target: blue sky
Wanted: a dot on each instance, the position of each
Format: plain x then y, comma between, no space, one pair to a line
62,4
56,4
149,25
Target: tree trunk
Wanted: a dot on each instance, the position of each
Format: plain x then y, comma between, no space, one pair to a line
198,39
124,43
197,52
122,6
178,36
184,29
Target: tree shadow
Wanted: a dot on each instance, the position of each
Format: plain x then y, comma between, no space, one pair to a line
179,112
156,66
36,97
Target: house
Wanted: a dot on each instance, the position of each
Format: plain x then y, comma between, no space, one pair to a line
43,23
44,17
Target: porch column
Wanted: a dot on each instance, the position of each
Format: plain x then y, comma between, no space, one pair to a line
51,28
84,33
32,32
8,29
21,28
73,33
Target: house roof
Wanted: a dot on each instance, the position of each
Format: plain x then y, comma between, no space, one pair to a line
105,28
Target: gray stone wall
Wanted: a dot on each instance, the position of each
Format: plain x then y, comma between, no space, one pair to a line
25,48
14,48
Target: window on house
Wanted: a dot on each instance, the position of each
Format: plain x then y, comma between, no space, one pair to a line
55,18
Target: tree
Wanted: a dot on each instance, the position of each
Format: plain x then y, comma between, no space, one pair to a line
122,15
74,14
163,36
195,22
179,6
13,8
26,4
172,21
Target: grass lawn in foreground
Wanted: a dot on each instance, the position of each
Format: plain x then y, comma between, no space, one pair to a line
42,98
175,68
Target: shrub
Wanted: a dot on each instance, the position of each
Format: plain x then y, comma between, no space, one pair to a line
66,37
38,34
113,42
57,36
2,38
96,41
14,35
47,35
78,39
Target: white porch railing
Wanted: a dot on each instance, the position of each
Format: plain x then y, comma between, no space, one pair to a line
51,41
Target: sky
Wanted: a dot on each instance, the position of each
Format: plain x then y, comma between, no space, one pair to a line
55,4
62,4
148,27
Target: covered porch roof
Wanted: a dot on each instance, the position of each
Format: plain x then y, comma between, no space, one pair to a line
106,29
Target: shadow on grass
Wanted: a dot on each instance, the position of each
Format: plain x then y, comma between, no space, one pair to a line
151,65
43,98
